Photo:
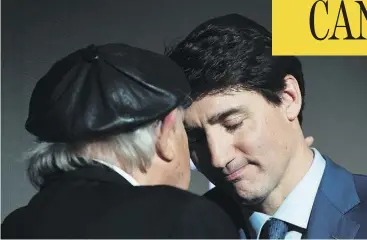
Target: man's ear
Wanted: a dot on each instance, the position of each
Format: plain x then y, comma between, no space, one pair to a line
165,134
291,98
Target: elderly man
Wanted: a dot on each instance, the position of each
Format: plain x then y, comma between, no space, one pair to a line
245,135
111,150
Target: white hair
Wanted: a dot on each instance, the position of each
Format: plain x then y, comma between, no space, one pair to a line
136,148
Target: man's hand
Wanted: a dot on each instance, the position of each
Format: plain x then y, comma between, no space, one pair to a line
309,140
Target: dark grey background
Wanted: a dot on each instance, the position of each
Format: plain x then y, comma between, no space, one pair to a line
37,33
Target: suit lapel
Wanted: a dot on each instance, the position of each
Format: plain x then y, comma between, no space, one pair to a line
335,197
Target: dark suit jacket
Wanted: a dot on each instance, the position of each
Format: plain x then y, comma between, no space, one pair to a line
339,210
96,202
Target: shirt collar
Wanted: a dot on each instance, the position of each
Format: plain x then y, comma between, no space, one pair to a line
124,174
296,208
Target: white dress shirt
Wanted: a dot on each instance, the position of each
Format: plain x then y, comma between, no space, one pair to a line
296,208
124,174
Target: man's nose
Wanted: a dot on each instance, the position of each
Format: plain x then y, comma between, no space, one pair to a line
220,150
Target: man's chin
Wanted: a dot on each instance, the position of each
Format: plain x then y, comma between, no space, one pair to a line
241,193
248,198
250,202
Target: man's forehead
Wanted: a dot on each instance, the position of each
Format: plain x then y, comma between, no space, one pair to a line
210,108
202,108
212,104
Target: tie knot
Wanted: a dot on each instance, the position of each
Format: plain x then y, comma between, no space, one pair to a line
274,229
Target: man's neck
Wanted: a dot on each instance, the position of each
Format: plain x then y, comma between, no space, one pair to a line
299,165
118,169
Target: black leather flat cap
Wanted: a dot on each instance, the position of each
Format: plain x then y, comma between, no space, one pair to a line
100,91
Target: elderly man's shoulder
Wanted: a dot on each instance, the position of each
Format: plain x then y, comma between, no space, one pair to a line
119,211
163,196
182,213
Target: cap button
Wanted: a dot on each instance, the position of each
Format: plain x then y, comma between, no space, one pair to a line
90,53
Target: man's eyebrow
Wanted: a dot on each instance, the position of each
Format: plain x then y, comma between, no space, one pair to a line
221,116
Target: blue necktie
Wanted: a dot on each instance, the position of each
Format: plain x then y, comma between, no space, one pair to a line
274,229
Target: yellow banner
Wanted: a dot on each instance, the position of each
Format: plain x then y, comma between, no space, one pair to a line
319,27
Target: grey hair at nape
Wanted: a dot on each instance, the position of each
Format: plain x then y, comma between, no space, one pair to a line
46,158
136,148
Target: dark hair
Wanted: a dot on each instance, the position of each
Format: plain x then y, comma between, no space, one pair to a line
234,53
